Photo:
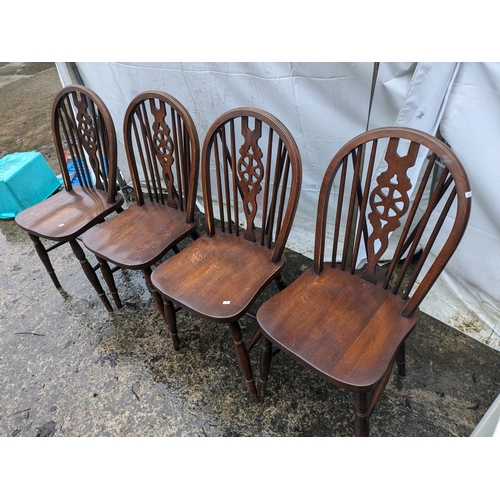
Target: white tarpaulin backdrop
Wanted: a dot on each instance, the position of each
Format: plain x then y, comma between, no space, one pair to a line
326,104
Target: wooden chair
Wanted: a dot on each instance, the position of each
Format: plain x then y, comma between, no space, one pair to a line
251,174
163,152
347,319
81,126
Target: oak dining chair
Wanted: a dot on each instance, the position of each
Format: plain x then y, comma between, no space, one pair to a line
162,149
251,175
383,236
85,139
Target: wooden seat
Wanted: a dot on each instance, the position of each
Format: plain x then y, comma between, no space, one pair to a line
162,148
83,133
388,239
251,173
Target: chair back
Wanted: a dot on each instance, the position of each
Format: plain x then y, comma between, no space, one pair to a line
384,217
163,151
85,139
251,174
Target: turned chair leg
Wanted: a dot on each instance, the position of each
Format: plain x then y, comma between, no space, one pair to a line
90,273
361,416
110,281
243,358
170,319
167,311
44,257
265,364
401,360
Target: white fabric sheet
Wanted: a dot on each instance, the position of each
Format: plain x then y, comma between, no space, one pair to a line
326,104
468,294
322,104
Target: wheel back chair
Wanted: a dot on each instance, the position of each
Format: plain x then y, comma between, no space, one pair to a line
347,318
163,151
83,133
251,174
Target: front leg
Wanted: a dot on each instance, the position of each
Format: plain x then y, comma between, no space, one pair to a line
361,415
243,358
110,281
265,364
44,257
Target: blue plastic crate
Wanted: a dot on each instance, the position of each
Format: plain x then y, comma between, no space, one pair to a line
25,180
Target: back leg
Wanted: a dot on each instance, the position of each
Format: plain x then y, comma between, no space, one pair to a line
166,308
401,360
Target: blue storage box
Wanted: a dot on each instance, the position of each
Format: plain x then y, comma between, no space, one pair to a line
25,180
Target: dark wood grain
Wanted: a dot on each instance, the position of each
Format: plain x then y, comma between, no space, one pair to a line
218,277
67,214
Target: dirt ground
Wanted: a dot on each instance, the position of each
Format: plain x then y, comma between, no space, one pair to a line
25,108
70,368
